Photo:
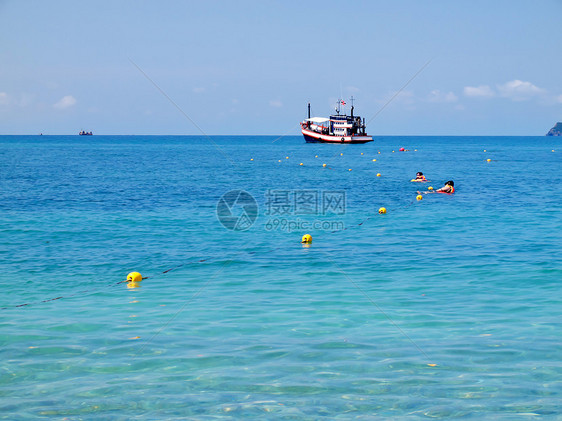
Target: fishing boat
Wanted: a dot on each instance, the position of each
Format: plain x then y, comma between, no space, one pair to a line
84,133
339,128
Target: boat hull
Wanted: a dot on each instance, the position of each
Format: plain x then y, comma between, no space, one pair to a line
314,137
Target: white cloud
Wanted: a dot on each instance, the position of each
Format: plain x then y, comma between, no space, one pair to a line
275,103
407,97
437,96
518,90
25,100
515,90
482,91
65,102
398,97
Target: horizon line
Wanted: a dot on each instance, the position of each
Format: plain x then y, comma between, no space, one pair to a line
264,135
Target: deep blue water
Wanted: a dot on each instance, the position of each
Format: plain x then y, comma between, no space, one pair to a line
448,307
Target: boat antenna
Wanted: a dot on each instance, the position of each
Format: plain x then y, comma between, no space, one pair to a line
351,106
341,96
309,110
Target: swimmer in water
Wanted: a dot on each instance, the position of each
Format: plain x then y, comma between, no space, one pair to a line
449,187
420,177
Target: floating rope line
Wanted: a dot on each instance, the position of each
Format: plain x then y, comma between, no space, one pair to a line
217,273
206,260
374,216
89,291
182,265
82,292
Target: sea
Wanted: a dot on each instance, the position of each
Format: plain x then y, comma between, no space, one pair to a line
448,307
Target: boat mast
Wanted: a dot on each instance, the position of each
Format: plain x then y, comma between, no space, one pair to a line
309,110
352,106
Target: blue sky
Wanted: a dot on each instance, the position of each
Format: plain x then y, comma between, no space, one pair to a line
251,67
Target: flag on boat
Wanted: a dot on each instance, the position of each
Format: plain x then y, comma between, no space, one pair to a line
342,102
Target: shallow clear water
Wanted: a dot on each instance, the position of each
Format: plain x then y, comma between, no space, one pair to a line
442,308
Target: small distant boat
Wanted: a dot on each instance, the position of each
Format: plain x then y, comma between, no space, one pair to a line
339,128
84,133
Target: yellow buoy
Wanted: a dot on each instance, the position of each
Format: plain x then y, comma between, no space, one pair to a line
301,163
279,160
350,169
392,151
430,188
134,277
489,160
378,174
306,239
341,154
316,156
286,157
362,152
484,150
382,210
419,197
553,150
374,160
133,280
251,159
379,151
324,165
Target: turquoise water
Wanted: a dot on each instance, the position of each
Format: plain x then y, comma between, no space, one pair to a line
448,307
